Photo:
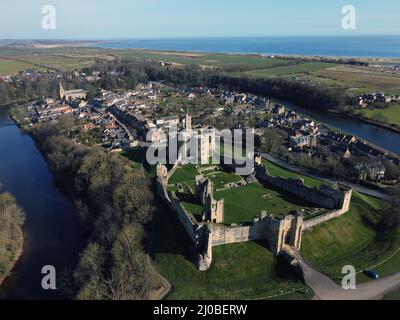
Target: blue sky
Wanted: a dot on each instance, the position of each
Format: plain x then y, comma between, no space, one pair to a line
100,19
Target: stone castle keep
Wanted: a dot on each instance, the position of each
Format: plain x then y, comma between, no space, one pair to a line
279,233
214,209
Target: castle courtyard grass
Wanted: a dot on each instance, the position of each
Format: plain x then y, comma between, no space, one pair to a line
245,203
221,178
186,173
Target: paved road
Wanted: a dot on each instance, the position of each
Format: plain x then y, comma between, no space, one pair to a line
326,289
357,187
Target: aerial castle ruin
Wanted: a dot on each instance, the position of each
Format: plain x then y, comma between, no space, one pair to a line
278,232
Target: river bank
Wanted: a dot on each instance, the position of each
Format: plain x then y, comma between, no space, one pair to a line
16,257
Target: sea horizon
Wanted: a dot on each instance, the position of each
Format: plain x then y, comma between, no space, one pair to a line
360,46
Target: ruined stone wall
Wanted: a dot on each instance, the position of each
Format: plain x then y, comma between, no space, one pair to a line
226,235
277,232
324,218
324,196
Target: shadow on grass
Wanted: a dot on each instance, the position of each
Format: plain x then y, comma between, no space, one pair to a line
282,269
290,197
169,235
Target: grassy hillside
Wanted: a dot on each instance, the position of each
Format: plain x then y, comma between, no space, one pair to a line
278,171
352,239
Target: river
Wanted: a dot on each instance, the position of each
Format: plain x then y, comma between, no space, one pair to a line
52,231
386,139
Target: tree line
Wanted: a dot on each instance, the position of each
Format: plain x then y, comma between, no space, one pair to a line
114,204
11,239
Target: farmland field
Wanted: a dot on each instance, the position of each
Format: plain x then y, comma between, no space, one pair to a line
13,67
358,77
287,70
204,59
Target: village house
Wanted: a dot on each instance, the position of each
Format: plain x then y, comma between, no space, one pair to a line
279,109
302,141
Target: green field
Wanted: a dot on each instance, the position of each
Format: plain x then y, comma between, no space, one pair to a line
368,80
239,271
13,67
353,239
390,115
287,70
65,59
204,59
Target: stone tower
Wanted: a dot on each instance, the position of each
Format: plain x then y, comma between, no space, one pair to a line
213,209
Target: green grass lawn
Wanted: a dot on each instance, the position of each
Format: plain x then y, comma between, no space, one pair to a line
239,271
352,239
185,175
286,70
390,115
221,178
245,203
278,171
13,67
